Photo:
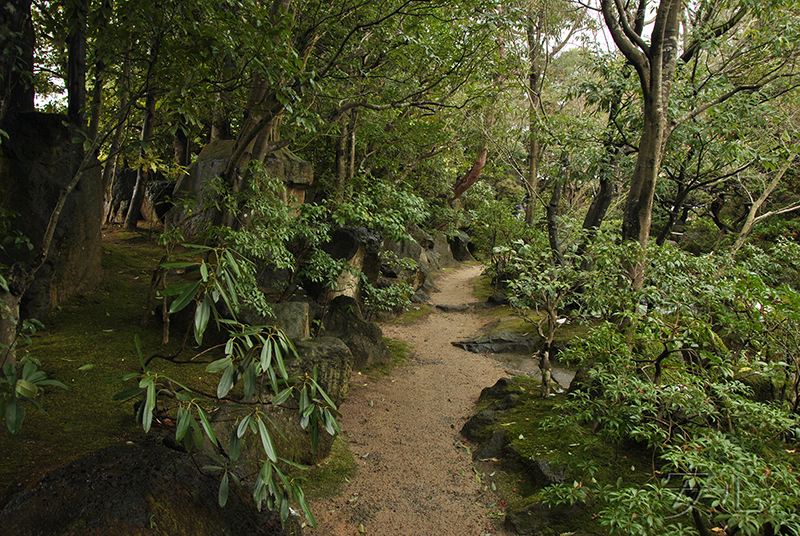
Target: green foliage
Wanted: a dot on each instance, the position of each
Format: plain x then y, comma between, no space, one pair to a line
23,383
693,373
494,222
255,357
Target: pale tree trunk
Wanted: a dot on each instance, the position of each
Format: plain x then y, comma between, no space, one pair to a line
135,208
752,219
535,74
110,167
655,66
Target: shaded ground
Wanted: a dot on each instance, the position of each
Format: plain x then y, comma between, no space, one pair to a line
415,477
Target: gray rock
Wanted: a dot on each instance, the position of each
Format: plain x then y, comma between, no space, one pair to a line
420,297
498,299
492,448
501,341
442,247
540,520
37,161
364,339
294,318
334,363
134,490
453,308
459,245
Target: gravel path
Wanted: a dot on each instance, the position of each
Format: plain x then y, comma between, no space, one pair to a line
413,477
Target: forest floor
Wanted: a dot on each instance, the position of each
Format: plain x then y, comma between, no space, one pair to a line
415,474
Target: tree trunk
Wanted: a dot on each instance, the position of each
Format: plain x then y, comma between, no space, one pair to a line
17,41
135,209
110,167
751,218
76,65
9,319
552,222
534,101
470,177
655,66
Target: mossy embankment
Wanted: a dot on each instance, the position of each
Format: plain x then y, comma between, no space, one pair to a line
87,343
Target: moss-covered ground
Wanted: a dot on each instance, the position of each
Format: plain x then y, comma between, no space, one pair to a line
87,342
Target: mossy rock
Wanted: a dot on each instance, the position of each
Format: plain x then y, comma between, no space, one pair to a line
135,490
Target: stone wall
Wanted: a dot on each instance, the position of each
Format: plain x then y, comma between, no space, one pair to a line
36,162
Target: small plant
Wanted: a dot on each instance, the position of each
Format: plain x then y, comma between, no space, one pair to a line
22,383
253,355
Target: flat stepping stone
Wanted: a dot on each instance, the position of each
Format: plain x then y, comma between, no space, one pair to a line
453,308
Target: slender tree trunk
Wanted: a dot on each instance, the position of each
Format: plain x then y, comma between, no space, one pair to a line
751,218
552,222
76,65
534,29
110,167
134,211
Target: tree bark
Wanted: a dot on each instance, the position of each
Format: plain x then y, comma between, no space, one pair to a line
535,73
751,218
470,177
17,41
552,222
142,175
655,65
76,65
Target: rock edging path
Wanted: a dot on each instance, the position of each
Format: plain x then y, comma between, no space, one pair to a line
413,478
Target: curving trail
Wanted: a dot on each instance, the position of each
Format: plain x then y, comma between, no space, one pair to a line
413,479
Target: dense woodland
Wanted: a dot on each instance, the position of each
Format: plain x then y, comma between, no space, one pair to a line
629,165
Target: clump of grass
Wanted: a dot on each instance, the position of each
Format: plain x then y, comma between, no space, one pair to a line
327,478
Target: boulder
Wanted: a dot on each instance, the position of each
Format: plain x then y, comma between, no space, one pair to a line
120,194
209,165
37,161
364,339
294,318
538,519
501,341
296,173
157,201
135,490
459,246
441,246
334,364
361,249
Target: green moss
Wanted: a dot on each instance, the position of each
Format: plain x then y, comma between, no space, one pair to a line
413,315
482,288
327,478
561,446
96,329
400,351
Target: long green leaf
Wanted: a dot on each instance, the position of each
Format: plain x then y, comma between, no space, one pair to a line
184,416
26,388
234,447
250,381
206,425
225,383
186,297
281,397
240,431
266,440
147,416
301,499
218,365
15,414
128,394
201,317
223,490
266,355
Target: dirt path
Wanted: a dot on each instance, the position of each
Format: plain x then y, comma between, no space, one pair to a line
413,479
